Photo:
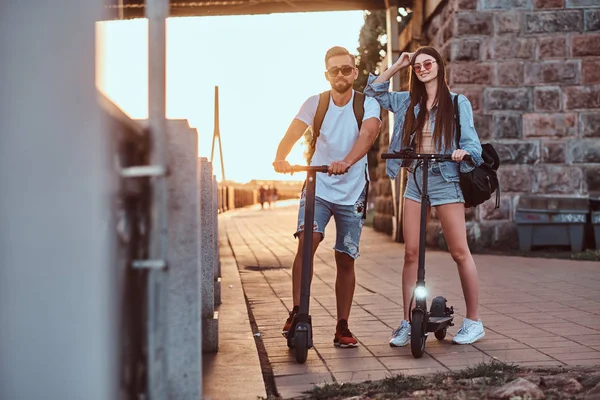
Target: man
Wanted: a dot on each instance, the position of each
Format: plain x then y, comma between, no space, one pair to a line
342,192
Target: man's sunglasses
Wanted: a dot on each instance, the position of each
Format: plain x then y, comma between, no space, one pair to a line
346,70
427,65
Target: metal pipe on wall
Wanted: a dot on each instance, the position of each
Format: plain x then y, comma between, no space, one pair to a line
157,12
393,52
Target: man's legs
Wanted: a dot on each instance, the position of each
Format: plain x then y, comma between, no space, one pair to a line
322,216
345,281
297,267
349,222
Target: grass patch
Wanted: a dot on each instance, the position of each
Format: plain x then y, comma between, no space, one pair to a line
494,372
401,383
391,385
588,255
333,390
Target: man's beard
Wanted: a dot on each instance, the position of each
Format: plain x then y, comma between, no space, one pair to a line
341,86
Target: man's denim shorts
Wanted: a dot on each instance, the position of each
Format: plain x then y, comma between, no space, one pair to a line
439,189
348,222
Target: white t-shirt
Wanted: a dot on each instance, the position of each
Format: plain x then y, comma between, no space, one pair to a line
339,133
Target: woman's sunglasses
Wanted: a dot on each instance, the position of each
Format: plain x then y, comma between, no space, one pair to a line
427,65
346,70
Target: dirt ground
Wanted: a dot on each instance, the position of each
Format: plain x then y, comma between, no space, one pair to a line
494,380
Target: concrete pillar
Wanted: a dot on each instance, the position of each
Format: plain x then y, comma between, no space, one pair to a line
393,52
210,333
230,198
183,305
216,258
58,288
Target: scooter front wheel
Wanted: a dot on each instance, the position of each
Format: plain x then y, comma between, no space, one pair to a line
301,345
417,334
441,334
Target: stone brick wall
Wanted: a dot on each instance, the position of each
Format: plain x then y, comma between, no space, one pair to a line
384,208
531,69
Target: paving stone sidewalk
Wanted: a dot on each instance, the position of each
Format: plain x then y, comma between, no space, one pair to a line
535,311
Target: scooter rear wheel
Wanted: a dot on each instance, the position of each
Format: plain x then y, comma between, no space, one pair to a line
301,346
417,334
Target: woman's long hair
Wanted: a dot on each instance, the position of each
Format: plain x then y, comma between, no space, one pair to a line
444,125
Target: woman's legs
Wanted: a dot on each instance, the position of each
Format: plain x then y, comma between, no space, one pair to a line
411,227
452,218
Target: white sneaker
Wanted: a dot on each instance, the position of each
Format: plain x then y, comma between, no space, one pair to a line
401,336
469,332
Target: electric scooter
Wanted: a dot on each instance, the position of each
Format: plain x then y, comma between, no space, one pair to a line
299,337
440,316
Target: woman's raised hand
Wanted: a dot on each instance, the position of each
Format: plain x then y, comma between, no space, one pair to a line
404,60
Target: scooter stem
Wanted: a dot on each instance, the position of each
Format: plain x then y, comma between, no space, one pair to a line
307,256
423,228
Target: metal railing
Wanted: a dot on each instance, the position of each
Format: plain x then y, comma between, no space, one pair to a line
232,196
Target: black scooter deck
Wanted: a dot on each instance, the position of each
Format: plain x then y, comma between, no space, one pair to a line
440,320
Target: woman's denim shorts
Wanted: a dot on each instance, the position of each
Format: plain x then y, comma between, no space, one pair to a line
440,191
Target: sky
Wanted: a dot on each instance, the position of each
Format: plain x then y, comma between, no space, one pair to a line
266,66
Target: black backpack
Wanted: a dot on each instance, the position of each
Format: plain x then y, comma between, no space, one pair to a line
358,105
479,184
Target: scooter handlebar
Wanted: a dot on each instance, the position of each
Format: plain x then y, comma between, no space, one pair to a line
305,168
417,156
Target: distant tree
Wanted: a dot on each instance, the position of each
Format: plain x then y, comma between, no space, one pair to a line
371,46
371,50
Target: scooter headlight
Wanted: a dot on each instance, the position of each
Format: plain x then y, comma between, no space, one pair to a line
420,292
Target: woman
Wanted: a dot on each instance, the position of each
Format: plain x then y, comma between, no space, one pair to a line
424,120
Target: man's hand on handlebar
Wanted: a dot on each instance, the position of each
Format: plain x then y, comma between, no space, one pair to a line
283,167
339,167
458,155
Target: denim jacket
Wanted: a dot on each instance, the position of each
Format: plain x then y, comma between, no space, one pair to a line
398,103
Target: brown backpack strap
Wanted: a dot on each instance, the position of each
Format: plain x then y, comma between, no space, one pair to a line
359,107
457,121
321,111
318,122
